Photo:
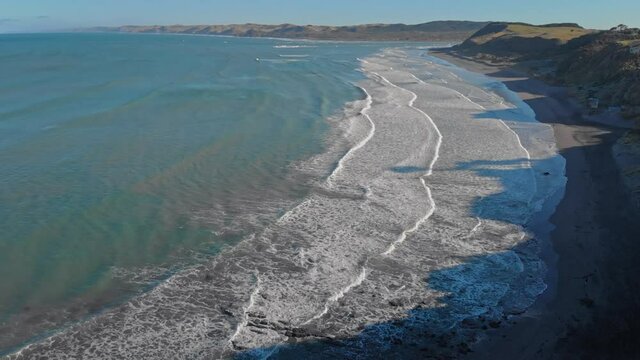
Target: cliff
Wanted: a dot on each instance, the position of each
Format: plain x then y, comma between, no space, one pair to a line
596,64
519,40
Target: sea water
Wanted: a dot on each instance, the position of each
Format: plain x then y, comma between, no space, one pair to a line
126,157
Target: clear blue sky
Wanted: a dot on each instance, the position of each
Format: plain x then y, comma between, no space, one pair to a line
36,15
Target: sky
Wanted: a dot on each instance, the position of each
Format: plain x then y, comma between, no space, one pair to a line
46,15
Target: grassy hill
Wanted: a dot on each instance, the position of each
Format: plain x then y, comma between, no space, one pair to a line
602,65
598,64
432,31
519,40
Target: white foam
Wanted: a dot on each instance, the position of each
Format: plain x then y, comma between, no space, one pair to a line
439,134
340,294
429,171
416,226
293,46
245,314
515,134
359,145
477,226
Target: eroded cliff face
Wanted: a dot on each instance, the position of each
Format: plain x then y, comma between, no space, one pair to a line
598,64
604,64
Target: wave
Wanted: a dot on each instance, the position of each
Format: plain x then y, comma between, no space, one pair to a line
429,171
439,134
340,294
293,46
294,56
245,311
362,276
363,142
283,60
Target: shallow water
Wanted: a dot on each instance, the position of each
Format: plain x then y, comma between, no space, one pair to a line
416,217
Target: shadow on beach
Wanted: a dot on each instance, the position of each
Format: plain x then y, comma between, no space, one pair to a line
474,294
594,308
424,332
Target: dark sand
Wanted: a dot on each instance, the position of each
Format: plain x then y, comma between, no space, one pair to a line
592,307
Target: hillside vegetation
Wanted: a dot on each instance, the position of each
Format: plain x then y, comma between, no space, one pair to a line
598,64
453,31
603,65
519,39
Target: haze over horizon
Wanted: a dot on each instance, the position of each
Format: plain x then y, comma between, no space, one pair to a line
41,15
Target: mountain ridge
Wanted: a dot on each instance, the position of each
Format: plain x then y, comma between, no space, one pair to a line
449,30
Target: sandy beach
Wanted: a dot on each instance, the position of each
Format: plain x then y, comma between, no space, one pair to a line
591,307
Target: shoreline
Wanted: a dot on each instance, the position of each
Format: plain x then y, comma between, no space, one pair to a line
589,308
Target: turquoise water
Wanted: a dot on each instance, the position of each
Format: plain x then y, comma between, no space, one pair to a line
126,157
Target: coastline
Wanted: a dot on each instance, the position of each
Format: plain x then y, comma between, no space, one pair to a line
590,308
250,317
365,291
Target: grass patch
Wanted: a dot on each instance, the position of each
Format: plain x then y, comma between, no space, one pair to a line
562,34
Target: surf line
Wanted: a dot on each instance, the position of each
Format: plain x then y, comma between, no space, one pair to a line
363,272
429,172
504,124
340,294
363,142
478,219
245,312
501,120
484,108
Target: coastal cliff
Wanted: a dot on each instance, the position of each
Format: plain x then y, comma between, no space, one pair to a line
453,31
601,67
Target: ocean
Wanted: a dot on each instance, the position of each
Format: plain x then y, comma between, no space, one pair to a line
195,197
126,157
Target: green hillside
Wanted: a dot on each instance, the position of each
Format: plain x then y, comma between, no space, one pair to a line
519,39
597,64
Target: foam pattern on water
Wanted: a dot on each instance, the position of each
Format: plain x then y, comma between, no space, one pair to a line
420,223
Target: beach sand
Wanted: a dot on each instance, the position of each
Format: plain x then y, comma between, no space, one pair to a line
592,307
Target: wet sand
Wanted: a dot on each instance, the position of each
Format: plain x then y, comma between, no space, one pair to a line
592,307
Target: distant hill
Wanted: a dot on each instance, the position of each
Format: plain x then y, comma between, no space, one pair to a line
453,31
